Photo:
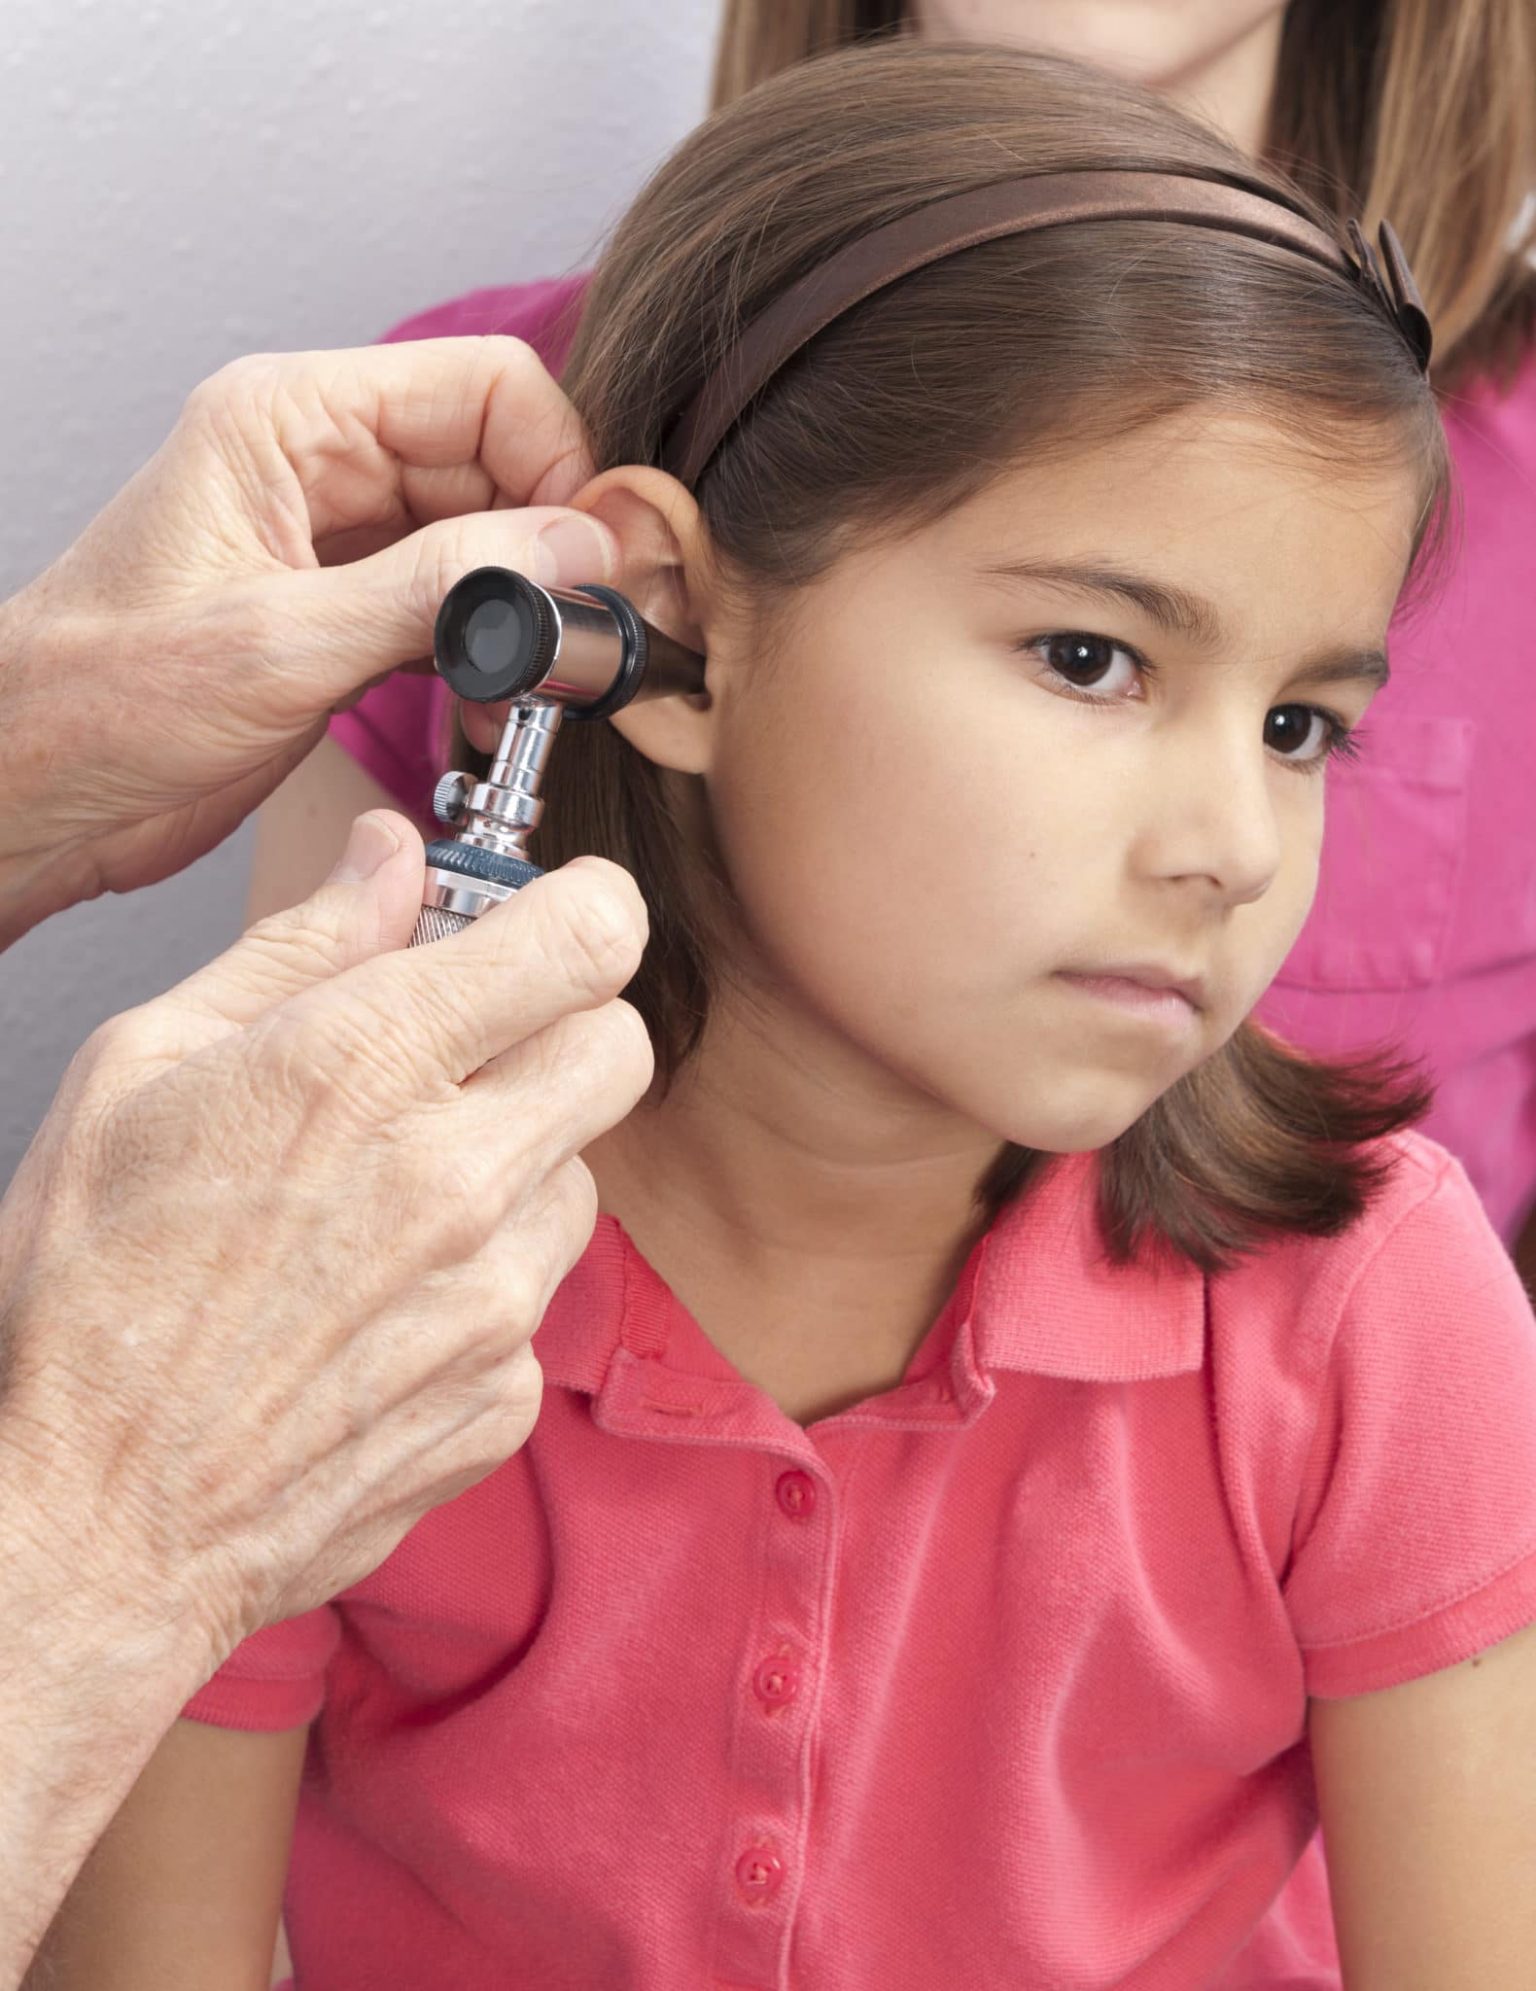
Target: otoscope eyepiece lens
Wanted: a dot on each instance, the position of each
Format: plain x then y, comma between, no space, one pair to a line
496,637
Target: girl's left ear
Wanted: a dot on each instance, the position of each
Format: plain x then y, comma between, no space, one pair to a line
665,571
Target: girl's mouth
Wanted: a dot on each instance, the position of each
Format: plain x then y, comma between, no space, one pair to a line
1168,1001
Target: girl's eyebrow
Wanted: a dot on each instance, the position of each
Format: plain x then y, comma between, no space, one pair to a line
1173,609
1178,611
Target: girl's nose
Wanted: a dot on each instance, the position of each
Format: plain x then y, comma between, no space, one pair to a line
1216,818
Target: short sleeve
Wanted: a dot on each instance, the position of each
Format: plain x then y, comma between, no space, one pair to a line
398,731
274,1679
1415,1538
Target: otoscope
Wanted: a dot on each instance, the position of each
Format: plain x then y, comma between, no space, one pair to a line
587,651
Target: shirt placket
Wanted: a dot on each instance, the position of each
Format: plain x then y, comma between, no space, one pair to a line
779,1690
761,1843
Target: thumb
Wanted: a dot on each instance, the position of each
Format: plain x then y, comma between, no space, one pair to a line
343,626
367,906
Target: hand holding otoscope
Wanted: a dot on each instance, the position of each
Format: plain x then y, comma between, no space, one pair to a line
500,636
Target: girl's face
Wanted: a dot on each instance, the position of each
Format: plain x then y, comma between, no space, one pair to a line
1002,785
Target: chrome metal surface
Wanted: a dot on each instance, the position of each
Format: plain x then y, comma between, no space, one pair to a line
501,812
433,923
449,796
590,651
450,892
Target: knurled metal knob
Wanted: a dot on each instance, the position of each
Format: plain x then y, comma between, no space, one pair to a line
450,796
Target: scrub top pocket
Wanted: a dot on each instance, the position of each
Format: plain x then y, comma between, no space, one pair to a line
1391,864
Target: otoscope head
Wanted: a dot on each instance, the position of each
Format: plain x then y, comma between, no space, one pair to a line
501,638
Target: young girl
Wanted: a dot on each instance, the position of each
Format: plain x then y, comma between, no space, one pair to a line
1410,108
1022,1443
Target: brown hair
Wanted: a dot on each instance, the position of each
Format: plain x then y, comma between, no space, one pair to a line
886,419
1419,111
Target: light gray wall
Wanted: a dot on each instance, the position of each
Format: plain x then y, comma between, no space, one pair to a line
183,182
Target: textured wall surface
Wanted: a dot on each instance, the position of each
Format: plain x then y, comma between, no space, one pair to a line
181,183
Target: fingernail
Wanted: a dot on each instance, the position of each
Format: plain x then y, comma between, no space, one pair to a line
369,847
574,549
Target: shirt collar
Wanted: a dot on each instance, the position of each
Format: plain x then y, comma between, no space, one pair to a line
1038,1294
1049,1300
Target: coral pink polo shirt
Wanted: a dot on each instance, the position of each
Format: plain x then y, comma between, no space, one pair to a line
1424,931
998,1678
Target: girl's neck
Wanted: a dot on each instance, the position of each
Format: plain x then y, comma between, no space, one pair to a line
785,1172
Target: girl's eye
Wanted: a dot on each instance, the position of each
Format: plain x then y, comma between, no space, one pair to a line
1306,735
1091,665
1101,671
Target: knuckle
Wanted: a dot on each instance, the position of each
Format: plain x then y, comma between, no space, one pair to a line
513,1292
522,1386
300,943
574,1223
566,1206
620,1047
232,384
441,555
120,1040
577,1208
504,354
498,344
476,1336
433,1016
615,879
562,1213
331,1049
633,1043
602,1056
450,1192
595,926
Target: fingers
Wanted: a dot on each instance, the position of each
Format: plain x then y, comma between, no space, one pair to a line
567,942
354,426
445,1386
449,1340
367,906
335,628
483,724
558,1090
438,404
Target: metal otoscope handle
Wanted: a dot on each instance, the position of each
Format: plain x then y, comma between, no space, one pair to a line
549,650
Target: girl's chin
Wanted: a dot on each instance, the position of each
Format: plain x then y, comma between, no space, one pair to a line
1069,1135
1076,1117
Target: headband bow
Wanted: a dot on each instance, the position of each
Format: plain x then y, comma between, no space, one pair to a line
1390,280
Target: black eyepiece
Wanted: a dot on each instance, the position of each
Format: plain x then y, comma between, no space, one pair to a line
496,636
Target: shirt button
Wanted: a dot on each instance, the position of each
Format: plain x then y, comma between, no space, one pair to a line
797,1495
777,1681
759,1874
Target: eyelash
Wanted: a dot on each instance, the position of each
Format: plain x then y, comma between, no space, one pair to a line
1343,741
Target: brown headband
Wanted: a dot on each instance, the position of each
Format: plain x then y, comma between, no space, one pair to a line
1015,207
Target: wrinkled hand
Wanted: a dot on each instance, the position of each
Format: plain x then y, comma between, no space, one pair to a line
287,546
269,1273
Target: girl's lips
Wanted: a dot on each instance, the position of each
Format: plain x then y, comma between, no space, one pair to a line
1168,1006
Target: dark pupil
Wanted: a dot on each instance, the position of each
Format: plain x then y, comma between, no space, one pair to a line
1287,727
1081,658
